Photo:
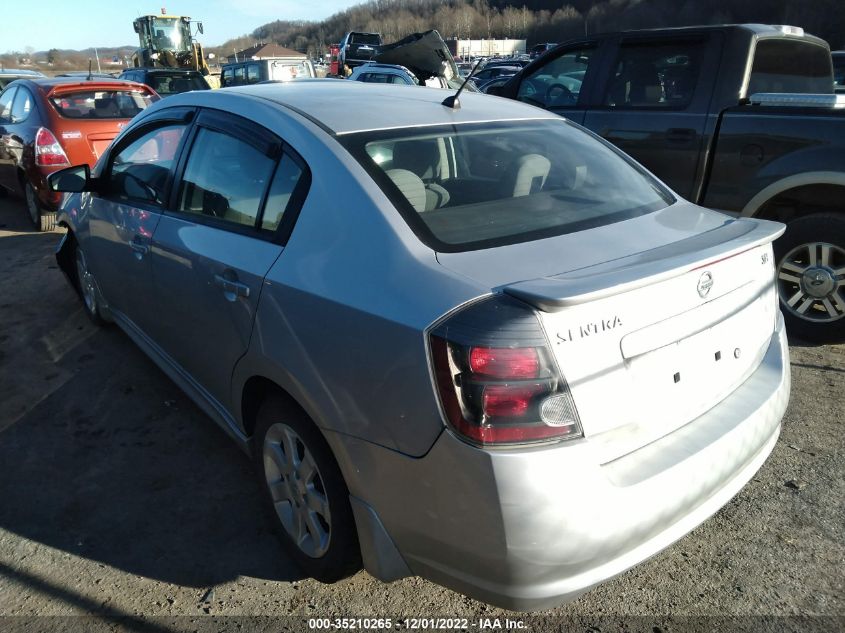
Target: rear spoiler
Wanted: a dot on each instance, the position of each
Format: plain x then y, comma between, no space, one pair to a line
97,85
551,294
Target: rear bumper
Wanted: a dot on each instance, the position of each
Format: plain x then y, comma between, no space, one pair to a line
531,529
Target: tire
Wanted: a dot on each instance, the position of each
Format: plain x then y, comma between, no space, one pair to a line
88,289
311,511
32,205
810,260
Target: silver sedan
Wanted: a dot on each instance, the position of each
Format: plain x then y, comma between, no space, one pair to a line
474,344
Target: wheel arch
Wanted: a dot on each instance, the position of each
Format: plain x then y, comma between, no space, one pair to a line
257,389
799,195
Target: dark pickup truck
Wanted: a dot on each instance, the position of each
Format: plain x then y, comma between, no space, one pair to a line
741,119
356,49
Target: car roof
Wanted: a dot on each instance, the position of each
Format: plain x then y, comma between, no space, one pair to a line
369,107
20,71
169,71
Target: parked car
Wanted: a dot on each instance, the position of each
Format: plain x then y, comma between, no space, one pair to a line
256,71
738,118
47,124
541,49
477,345
167,81
357,48
838,71
8,75
374,72
506,61
496,82
492,72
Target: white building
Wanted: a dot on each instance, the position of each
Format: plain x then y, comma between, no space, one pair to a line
486,48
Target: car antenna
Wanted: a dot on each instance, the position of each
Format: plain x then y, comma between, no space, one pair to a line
453,101
90,76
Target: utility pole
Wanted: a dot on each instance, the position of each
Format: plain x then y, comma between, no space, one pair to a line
97,55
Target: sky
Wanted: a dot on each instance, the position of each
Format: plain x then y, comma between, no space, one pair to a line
79,24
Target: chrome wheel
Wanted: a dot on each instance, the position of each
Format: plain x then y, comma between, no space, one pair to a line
32,205
86,282
811,282
297,490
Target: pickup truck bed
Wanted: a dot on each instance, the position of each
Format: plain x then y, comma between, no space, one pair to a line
739,118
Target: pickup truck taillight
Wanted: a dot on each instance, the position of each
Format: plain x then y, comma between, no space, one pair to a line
497,378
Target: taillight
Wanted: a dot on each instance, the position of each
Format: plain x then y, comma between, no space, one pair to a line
48,152
497,378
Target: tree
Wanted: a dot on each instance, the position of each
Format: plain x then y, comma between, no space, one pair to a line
52,56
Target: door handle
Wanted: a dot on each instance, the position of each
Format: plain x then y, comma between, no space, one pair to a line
680,135
139,246
230,286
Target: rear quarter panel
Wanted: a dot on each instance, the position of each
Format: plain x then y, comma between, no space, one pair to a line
760,146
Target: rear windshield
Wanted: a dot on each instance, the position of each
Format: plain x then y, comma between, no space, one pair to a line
285,71
792,66
482,185
101,104
173,83
372,39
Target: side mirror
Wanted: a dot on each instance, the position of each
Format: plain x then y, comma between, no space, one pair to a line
71,179
199,27
136,27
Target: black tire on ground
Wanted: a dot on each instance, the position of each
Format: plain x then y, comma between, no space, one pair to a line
342,558
32,206
87,287
813,287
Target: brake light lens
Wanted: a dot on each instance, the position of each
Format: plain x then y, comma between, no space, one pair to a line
504,362
48,151
497,379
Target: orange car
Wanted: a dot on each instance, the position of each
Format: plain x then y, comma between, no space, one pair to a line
47,124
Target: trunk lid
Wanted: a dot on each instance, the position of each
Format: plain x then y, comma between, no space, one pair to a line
655,332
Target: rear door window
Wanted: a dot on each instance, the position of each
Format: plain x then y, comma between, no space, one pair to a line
655,75
253,74
793,66
225,179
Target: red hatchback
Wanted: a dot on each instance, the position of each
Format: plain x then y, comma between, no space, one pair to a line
47,124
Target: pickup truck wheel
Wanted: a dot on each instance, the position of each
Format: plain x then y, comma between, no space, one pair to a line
304,493
811,277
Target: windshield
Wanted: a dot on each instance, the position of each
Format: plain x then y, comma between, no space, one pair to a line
481,185
100,104
169,34
174,83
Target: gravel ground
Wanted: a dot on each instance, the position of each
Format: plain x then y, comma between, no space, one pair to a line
121,504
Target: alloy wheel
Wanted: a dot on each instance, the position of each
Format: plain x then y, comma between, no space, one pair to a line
811,282
297,489
86,282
